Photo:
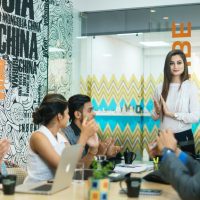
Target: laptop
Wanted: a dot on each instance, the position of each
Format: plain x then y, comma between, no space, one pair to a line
63,176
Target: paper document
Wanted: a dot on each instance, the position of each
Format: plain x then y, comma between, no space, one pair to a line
135,168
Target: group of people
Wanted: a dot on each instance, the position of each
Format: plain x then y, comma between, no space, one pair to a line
176,104
47,143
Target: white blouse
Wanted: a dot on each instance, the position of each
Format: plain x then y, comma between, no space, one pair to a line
38,169
184,102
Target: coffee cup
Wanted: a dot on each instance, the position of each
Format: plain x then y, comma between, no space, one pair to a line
132,186
129,157
8,183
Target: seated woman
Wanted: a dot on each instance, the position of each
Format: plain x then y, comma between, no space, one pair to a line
47,144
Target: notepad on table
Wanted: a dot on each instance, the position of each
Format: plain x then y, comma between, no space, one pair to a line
134,168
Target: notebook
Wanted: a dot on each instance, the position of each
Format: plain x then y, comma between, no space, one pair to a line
63,176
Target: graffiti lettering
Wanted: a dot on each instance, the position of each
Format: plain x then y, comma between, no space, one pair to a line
19,42
19,7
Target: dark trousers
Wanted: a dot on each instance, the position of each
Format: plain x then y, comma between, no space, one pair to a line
185,141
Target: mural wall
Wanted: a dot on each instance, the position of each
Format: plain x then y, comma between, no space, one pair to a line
60,46
23,70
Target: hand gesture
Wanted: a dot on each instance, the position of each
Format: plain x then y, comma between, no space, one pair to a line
93,141
166,111
157,106
166,139
153,149
4,147
93,150
89,128
103,146
113,150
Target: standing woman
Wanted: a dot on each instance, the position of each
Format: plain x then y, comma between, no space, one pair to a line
176,101
46,144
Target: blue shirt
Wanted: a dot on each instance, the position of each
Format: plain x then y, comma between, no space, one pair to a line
72,132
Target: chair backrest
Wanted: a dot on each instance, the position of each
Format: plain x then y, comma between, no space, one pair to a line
21,174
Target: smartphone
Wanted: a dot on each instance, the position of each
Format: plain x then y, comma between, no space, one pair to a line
114,177
156,192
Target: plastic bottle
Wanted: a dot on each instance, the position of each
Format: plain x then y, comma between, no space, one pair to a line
145,155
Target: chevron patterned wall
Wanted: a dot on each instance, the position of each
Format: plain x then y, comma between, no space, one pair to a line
132,132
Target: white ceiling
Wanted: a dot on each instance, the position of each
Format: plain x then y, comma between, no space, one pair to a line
99,5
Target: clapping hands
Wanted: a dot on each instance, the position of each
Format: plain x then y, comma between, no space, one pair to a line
162,106
108,148
113,150
166,111
165,139
4,147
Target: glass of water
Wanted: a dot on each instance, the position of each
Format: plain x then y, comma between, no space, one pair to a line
79,173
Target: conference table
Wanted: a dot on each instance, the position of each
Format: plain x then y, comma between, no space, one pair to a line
78,191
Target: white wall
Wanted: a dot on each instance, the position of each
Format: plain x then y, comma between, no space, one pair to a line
107,55
111,56
86,57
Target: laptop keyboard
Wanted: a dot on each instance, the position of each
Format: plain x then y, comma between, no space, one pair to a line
45,187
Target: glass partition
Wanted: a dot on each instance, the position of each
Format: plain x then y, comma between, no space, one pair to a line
120,72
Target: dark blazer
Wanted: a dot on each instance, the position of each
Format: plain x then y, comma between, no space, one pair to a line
185,179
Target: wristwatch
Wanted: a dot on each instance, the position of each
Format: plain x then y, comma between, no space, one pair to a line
175,115
166,152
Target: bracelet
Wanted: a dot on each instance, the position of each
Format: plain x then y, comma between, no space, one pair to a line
158,113
93,153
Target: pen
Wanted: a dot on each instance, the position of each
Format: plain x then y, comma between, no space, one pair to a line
156,161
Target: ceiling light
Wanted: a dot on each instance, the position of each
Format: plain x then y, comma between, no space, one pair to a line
127,34
107,55
81,37
152,11
166,18
155,44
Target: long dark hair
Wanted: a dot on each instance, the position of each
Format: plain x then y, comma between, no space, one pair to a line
51,105
167,71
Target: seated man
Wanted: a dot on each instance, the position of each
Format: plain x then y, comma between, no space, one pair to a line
177,168
80,108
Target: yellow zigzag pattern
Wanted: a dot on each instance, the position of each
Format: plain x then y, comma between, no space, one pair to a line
149,87
86,86
113,88
128,140
128,90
